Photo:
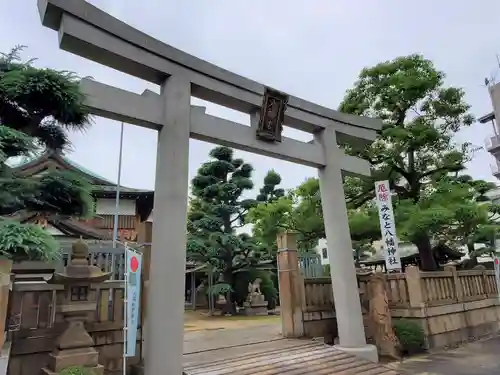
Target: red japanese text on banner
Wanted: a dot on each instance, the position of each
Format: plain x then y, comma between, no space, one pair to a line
387,225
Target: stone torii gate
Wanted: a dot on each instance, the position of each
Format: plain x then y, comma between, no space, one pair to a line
92,33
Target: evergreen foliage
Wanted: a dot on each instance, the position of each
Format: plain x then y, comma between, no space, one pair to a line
37,108
218,208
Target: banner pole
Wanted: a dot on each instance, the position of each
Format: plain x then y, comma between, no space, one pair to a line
125,305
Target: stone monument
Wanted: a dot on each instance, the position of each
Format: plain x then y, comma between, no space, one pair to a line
380,320
75,346
255,303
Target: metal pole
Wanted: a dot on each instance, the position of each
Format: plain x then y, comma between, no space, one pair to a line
117,198
117,204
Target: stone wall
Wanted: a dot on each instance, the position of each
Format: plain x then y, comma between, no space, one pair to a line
319,315
451,306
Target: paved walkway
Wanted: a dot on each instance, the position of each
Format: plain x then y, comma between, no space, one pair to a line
224,339
290,357
205,345
478,358
256,347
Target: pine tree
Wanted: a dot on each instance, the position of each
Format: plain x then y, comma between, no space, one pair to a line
421,117
216,211
37,108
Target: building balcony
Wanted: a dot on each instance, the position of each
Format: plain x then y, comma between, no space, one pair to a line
495,169
493,146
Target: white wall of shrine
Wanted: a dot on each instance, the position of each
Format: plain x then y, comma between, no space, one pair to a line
107,206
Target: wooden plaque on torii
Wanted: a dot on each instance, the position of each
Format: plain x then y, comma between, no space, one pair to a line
272,114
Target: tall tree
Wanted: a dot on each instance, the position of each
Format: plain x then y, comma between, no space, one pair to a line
42,103
301,211
308,214
474,222
365,229
269,214
268,219
37,106
416,145
216,211
270,191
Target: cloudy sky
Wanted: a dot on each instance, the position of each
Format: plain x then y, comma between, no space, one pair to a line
311,49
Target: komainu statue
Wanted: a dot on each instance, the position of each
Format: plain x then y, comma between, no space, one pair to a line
380,322
254,288
255,303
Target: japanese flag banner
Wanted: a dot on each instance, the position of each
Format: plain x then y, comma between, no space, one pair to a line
133,285
387,225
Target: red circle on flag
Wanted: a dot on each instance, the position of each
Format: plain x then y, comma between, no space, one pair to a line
496,260
134,264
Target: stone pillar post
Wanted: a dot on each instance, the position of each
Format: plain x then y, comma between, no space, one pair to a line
165,321
291,285
414,284
344,282
459,291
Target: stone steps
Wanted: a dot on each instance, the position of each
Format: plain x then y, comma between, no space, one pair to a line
299,358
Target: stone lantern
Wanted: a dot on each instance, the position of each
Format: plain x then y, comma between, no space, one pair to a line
75,346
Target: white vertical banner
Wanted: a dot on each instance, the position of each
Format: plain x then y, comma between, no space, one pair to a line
387,225
133,285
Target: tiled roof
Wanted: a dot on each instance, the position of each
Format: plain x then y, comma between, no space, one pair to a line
101,184
85,170
123,189
408,250
68,226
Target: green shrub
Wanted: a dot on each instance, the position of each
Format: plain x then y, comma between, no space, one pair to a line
411,335
268,289
76,370
26,242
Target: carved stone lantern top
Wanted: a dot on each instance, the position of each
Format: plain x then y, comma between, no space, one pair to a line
79,270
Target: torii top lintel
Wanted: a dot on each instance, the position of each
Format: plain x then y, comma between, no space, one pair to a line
94,34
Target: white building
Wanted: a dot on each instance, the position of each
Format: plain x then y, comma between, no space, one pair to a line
493,142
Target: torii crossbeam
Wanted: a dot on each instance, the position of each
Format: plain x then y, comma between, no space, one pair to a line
92,33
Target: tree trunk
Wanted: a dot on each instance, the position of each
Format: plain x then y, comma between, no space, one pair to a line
472,262
427,260
230,306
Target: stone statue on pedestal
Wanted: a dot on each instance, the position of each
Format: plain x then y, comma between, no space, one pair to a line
255,303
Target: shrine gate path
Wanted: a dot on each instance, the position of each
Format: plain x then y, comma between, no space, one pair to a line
262,350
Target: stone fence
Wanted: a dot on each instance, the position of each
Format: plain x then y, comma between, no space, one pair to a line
35,322
451,306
